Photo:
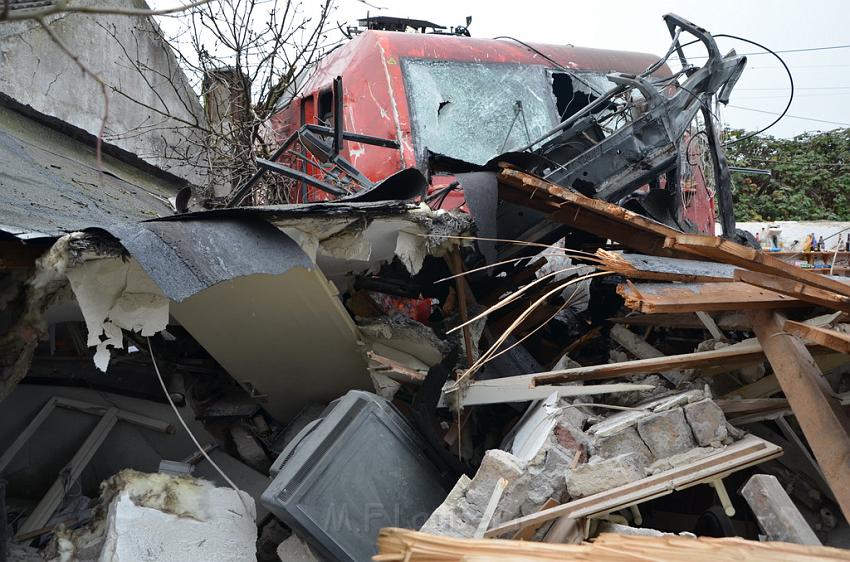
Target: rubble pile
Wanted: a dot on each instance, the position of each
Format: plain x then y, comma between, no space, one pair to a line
559,365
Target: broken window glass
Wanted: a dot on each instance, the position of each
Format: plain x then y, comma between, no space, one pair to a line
474,111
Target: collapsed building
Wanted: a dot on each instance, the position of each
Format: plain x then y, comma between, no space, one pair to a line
422,313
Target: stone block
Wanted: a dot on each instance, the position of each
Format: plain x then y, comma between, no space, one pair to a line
707,422
601,474
626,441
666,433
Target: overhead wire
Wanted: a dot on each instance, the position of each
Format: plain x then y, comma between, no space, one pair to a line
839,123
790,93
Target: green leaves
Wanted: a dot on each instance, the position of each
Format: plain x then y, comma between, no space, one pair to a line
810,176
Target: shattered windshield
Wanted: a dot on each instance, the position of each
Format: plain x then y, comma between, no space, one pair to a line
474,111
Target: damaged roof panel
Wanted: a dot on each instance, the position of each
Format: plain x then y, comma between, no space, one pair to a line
50,183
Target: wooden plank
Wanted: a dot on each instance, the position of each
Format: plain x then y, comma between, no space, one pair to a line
710,325
794,289
777,515
490,510
510,389
748,451
651,298
726,251
734,408
396,370
686,320
123,415
397,545
606,220
638,347
657,268
70,474
822,418
25,435
832,339
528,533
739,353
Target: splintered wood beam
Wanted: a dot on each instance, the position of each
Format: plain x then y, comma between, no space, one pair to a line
726,251
404,545
796,289
651,298
656,268
837,341
594,216
822,418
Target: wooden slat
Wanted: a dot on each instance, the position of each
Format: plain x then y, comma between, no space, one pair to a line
724,320
725,251
70,474
739,353
651,298
28,432
822,418
795,289
733,408
838,341
638,347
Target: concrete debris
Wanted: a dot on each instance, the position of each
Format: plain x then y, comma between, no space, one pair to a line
666,433
600,474
164,516
294,549
478,311
708,424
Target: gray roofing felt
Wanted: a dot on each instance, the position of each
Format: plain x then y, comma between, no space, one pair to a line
50,183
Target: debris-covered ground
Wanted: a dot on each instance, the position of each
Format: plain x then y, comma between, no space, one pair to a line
537,352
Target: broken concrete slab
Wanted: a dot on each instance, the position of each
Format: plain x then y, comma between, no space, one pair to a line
666,433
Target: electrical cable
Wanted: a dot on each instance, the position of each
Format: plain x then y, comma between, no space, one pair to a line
790,83
192,435
839,123
768,51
